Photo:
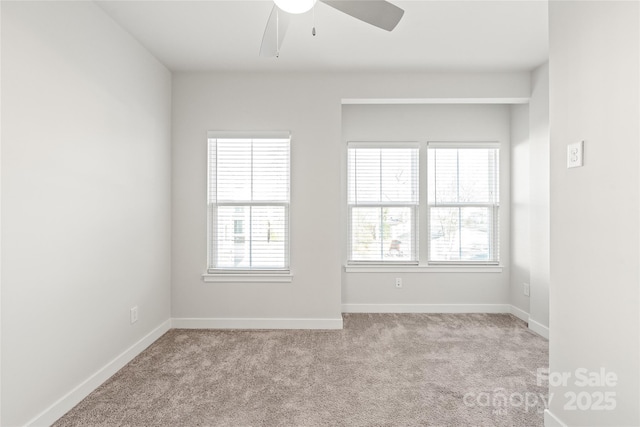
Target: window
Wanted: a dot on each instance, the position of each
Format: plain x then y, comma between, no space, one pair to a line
455,220
248,202
383,202
463,202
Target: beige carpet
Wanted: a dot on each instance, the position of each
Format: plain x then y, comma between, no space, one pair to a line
381,370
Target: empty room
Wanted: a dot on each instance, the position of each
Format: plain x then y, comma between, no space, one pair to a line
320,213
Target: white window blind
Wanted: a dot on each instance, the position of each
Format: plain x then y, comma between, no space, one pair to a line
248,203
383,202
463,203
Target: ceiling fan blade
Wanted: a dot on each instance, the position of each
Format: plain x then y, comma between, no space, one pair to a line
379,13
274,32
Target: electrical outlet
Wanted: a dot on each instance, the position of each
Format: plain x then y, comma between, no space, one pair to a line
526,289
134,314
398,282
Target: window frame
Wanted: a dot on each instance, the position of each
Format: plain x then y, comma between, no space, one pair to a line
226,274
422,218
415,207
494,208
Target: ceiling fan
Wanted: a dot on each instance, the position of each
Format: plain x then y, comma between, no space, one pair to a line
379,13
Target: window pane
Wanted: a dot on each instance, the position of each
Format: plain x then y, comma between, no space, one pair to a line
233,243
476,169
364,166
443,176
233,170
397,234
462,175
399,175
268,237
383,175
382,234
271,170
251,237
475,234
444,234
366,242
461,234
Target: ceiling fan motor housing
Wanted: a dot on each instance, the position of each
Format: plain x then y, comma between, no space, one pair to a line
295,6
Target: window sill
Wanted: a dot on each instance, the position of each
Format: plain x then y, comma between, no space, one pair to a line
248,277
423,269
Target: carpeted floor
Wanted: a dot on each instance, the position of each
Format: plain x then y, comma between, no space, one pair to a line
380,370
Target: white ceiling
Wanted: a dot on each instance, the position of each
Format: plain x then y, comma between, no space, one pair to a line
452,35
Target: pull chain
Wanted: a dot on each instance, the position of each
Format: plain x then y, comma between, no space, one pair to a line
313,29
277,33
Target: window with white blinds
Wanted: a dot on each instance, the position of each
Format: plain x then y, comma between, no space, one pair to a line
383,202
463,203
248,202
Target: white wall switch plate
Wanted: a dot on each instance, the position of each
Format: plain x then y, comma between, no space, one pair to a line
575,154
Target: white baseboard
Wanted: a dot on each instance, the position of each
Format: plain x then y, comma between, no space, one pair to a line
551,420
256,323
75,396
519,313
426,308
539,328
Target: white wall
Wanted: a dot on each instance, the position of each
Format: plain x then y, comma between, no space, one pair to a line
0,222
520,208
530,192
310,106
594,70
430,291
205,102
539,193
85,200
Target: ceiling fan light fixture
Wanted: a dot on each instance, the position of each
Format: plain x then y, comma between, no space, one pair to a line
295,6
